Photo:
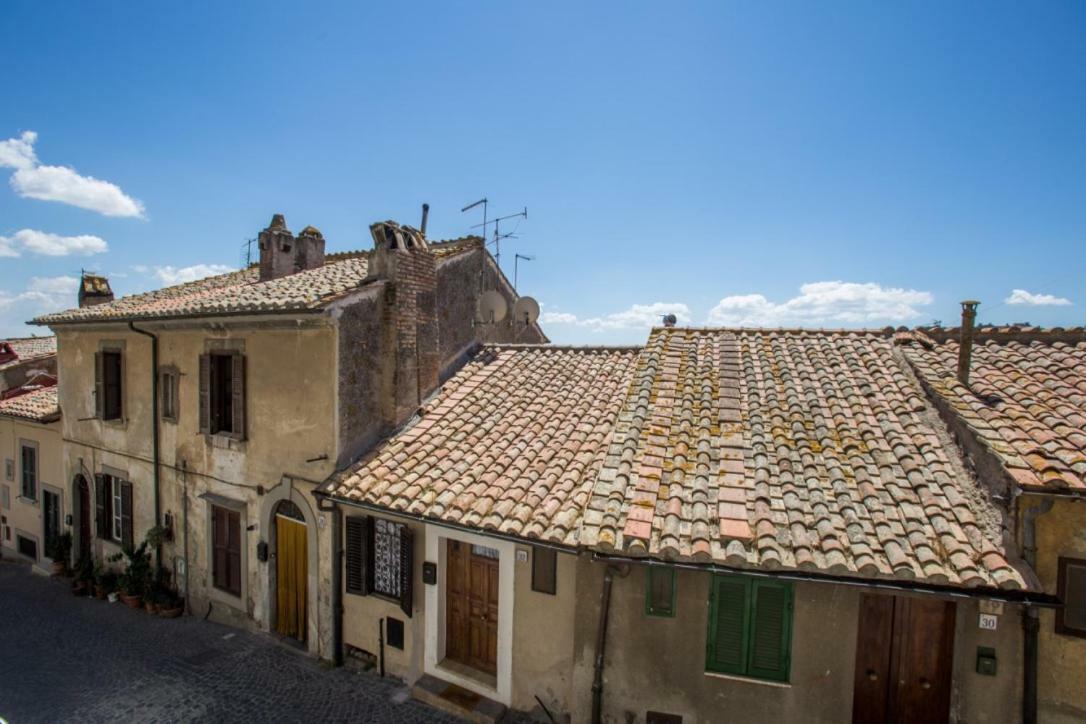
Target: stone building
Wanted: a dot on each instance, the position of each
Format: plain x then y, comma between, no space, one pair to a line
214,408
750,524
27,361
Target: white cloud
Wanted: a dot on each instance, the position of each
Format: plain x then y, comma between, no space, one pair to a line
1021,296
60,183
7,247
46,244
41,296
170,275
19,152
821,304
637,316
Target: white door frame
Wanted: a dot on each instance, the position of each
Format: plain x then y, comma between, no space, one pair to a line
436,547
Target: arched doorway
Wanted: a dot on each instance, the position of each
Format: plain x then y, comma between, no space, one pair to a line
291,570
82,516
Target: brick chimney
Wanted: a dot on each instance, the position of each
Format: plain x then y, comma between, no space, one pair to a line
281,254
94,290
965,343
409,324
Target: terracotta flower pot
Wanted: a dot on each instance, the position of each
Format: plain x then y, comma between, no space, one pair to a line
58,568
150,607
100,592
132,601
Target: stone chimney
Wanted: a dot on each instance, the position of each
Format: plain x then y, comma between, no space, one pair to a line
965,343
409,324
94,290
281,254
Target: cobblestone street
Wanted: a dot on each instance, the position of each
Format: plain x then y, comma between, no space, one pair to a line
82,660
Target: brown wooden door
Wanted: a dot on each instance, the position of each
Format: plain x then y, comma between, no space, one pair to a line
471,604
904,656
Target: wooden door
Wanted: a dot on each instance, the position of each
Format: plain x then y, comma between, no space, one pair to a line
904,658
291,567
471,604
50,518
84,518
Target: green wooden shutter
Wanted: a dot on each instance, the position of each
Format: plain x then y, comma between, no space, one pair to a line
205,394
101,508
237,406
770,630
729,615
660,591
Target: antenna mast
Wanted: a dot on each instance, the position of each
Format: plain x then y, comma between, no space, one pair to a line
517,258
498,236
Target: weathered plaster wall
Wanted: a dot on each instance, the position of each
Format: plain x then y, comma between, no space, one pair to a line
23,515
17,374
359,341
1062,658
543,634
659,663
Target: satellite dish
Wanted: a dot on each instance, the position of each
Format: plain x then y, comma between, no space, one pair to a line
526,310
491,307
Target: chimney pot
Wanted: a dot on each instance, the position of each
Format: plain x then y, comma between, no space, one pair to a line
425,216
965,341
94,290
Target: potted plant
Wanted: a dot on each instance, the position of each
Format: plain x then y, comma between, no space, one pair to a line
105,581
84,577
172,605
59,548
137,574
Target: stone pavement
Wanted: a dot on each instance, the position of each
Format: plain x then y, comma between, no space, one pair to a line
81,660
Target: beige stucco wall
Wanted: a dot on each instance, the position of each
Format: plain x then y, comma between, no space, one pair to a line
659,663
25,516
290,418
1061,658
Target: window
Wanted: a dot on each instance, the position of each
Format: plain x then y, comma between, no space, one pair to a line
544,570
660,591
1071,588
222,394
379,559
113,512
27,547
750,627
109,384
226,549
168,384
29,465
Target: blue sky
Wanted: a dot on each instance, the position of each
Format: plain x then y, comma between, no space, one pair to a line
841,164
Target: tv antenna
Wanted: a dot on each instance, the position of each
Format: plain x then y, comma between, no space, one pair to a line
516,260
481,202
247,253
498,236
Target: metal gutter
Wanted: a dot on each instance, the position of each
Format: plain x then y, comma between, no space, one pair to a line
156,452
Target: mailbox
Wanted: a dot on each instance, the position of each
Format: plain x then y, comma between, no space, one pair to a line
986,661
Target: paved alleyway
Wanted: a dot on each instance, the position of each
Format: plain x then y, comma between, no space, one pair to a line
74,660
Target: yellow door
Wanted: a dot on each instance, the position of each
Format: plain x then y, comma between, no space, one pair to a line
291,571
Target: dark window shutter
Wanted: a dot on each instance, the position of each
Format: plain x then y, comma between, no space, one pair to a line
233,552
127,537
771,613
357,550
407,555
238,403
218,566
544,570
660,591
728,619
101,506
205,393
99,387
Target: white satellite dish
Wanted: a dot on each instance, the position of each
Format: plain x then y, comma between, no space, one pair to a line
526,310
491,308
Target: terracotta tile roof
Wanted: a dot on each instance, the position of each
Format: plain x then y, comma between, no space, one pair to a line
39,406
242,292
1026,401
29,348
801,450
511,444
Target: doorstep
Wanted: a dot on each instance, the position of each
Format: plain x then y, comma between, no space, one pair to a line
457,700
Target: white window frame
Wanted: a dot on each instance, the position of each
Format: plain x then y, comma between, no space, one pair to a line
117,512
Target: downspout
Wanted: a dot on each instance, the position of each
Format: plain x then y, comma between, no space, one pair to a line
601,639
154,428
337,586
1031,624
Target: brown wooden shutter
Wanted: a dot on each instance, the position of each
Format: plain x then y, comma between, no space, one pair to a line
205,393
357,554
407,549
127,537
238,402
99,387
101,506
219,536
233,552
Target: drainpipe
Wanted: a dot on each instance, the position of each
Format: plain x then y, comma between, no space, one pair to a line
154,427
337,586
601,640
1031,624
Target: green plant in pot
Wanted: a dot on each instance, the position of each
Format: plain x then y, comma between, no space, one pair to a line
84,576
136,579
105,582
59,548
